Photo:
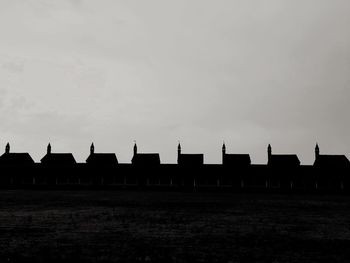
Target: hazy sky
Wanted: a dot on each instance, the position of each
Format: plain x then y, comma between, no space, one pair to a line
159,71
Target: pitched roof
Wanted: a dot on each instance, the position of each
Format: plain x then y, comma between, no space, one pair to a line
102,158
236,159
146,159
16,159
332,161
190,159
58,159
284,160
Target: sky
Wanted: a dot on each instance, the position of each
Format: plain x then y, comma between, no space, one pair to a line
200,72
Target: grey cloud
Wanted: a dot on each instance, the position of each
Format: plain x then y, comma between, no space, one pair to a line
13,67
250,72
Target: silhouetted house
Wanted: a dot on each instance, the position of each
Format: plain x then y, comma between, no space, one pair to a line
101,158
282,160
62,159
189,159
237,160
145,159
9,158
330,161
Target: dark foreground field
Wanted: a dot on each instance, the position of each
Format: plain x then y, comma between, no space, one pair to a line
99,226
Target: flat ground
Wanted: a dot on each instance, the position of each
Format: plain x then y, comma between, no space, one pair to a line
100,226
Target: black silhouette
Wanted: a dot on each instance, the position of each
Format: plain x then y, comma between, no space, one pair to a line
189,159
101,158
145,159
282,160
330,161
57,158
237,160
9,158
282,173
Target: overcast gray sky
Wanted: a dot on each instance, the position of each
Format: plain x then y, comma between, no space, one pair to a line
159,71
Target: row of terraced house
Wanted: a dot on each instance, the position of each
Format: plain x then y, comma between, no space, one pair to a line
235,173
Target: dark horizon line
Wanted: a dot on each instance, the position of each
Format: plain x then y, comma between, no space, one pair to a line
183,158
